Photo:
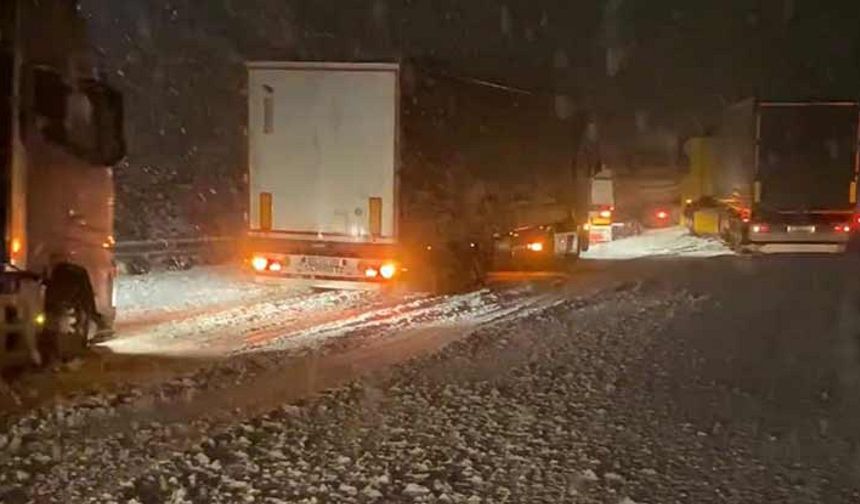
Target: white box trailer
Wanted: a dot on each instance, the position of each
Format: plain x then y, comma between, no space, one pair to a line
360,171
323,158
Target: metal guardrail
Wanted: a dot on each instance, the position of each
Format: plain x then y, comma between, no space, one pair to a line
177,253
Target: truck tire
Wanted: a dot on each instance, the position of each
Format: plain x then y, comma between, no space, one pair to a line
70,313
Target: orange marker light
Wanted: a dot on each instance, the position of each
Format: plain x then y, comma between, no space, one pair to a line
259,263
388,270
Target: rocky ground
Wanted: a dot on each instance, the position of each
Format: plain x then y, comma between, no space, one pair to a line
729,380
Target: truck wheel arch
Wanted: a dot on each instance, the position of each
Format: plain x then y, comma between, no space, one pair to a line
67,280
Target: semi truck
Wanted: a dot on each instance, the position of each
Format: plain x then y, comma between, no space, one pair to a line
601,211
785,176
370,173
60,133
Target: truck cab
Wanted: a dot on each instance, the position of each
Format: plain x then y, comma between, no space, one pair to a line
60,135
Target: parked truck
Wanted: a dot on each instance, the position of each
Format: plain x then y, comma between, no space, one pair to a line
367,173
785,176
60,132
601,212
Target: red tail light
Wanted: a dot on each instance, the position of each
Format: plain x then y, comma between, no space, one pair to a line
842,228
662,214
760,228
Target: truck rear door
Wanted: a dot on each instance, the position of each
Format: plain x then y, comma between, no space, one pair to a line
807,157
323,140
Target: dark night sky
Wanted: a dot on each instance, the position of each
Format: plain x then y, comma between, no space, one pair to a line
180,62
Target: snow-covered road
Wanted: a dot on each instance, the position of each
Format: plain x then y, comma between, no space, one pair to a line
218,311
680,380
669,242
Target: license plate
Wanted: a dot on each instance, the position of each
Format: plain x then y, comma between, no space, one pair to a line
801,229
322,263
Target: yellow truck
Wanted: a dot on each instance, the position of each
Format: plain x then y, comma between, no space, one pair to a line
697,187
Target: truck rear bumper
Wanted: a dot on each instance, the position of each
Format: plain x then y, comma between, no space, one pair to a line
320,267
320,283
800,242
319,263
600,233
799,248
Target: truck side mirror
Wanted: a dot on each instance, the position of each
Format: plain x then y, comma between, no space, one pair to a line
86,120
94,123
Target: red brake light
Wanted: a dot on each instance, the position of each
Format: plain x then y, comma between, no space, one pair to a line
842,228
662,215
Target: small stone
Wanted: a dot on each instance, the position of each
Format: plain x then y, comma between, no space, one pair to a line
613,477
347,489
371,492
202,459
413,490
589,475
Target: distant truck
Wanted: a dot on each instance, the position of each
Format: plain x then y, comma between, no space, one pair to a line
60,133
785,176
601,212
366,173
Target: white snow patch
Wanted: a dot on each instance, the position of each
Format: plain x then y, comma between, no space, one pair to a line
674,242
226,327
471,309
175,291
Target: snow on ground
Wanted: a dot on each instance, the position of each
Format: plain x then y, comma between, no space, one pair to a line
223,328
178,291
675,242
210,311
509,414
416,312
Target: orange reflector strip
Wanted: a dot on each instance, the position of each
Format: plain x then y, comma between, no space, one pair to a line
266,211
375,216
